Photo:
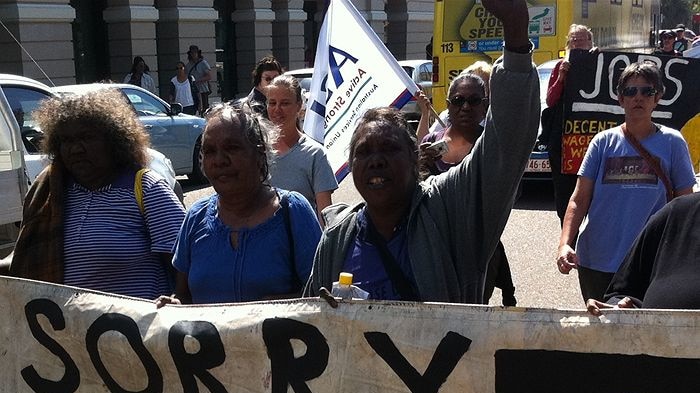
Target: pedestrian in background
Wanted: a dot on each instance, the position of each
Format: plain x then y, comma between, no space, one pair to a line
667,39
200,70
183,90
300,164
479,68
681,43
628,173
249,241
579,37
93,218
139,75
267,69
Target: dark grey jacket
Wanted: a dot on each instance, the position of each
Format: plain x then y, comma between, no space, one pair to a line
457,218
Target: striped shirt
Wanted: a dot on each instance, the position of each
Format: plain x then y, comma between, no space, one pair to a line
110,246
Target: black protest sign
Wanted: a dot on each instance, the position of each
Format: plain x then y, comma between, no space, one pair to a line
539,371
590,97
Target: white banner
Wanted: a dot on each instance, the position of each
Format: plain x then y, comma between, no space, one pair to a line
353,72
62,339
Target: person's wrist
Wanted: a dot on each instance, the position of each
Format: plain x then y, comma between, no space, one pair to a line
519,47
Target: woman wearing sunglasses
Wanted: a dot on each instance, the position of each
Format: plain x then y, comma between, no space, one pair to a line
619,187
466,108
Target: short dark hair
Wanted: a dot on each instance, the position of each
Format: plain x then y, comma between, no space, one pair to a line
385,117
647,70
137,60
267,63
468,78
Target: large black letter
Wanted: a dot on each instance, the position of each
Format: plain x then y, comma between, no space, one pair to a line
445,359
71,378
210,355
127,327
285,368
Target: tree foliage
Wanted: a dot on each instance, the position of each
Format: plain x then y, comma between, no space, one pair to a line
676,11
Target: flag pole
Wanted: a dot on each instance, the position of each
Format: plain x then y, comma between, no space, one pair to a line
437,116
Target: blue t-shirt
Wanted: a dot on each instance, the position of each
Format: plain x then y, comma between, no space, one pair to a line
260,266
110,246
365,263
626,192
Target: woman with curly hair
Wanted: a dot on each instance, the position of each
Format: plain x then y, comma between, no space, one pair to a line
93,218
249,241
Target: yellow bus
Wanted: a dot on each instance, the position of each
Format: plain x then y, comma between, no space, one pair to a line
465,32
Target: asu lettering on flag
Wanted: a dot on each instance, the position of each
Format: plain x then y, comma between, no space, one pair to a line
353,72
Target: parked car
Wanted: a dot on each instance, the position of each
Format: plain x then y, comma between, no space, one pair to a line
538,167
420,71
303,75
24,95
172,132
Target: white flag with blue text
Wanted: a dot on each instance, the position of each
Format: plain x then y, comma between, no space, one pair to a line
353,72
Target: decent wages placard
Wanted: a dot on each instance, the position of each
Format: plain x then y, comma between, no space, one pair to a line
62,339
591,105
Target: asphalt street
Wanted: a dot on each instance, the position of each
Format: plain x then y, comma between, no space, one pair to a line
530,239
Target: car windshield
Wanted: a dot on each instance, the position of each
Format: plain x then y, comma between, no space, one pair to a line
304,80
24,101
409,70
144,104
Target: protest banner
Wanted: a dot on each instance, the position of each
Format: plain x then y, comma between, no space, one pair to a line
590,97
353,72
62,339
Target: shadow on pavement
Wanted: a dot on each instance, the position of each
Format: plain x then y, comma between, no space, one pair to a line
536,195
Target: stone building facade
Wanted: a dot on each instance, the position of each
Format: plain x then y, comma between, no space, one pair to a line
81,41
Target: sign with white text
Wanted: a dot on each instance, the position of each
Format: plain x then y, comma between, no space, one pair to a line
591,105
353,72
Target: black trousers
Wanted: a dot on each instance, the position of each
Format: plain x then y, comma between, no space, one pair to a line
564,184
593,283
498,275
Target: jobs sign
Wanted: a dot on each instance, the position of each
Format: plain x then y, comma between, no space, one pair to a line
61,339
590,97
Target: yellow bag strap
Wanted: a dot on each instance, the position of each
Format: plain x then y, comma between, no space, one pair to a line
138,189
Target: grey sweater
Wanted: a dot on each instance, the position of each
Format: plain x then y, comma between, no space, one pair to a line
457,217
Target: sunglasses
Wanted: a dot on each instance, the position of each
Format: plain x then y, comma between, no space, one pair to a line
631,91
459,101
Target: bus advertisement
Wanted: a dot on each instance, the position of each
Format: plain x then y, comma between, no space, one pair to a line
464,32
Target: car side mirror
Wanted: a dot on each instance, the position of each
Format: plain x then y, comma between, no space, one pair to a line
175,109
